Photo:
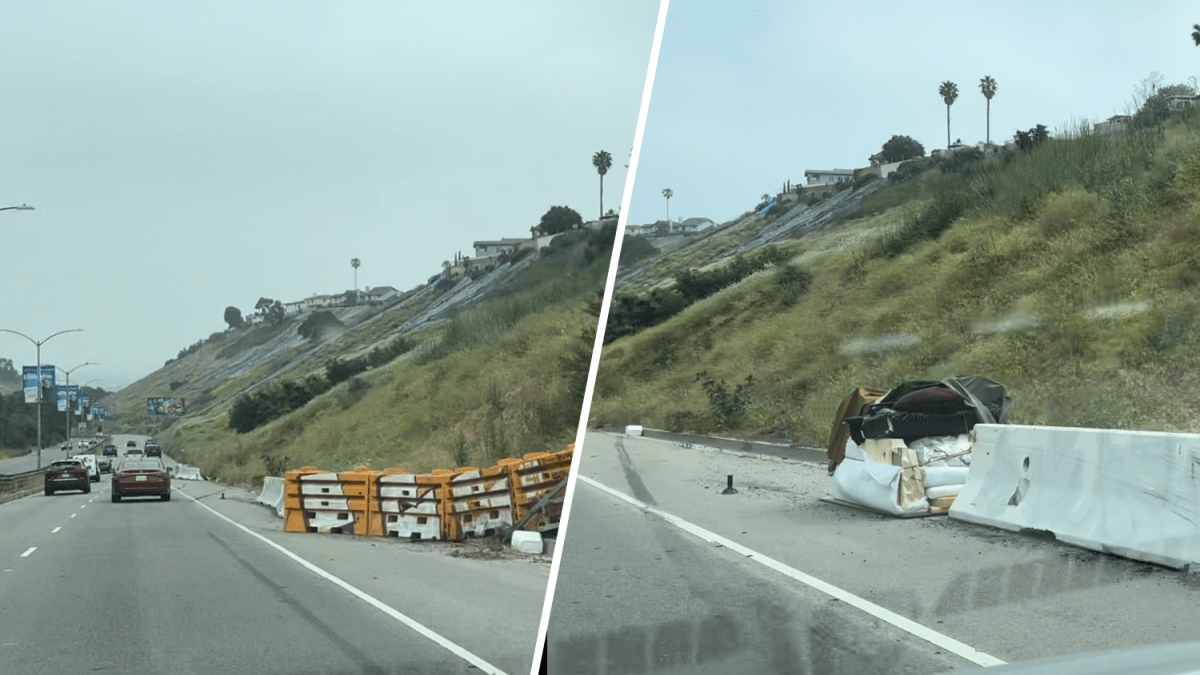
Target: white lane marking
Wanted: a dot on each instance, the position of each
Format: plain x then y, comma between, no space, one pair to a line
31,550
74,514
361,595
907,625
55,530
83,506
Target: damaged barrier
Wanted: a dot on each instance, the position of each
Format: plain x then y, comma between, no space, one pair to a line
1129,493
342,503
449,504
411,506
480,501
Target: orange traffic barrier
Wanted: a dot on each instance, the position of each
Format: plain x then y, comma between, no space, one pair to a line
479,502
411,505
343,503
537,475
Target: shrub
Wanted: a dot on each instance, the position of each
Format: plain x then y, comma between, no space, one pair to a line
728,408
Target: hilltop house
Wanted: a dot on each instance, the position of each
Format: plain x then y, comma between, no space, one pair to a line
828,176
379,294
293,308
484,249
1113,125
319,302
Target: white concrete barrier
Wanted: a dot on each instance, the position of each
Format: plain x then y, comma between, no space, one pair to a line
527,542
634,430
185,472
272,494
1129,493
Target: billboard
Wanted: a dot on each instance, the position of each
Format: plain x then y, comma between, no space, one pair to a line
30,381
165,406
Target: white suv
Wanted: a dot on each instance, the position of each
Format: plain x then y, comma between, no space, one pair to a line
93,467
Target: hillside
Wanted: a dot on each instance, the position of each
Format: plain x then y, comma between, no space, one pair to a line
485,369
1068,272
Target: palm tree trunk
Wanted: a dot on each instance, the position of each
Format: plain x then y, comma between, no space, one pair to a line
989,122
601,195
947,126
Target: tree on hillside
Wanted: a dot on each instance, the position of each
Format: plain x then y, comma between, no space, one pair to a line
1157,107
602,161
8,372
1196,34
233,317
988,86
270,310
949,93
314,326
900,148
1026,140
668,193
560,219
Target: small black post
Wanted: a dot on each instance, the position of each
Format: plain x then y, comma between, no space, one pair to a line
729,487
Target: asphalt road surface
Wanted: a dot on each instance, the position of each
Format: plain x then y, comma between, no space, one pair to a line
205,584
661,573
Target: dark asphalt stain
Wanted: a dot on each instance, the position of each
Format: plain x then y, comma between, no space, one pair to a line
365,665
632,477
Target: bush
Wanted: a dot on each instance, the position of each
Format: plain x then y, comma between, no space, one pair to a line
337,370
315,325
634,249
728,408
254,409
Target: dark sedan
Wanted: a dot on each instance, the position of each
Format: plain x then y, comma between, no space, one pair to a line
141,477
67,474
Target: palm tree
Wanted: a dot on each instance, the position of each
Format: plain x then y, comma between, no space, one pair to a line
1196,34
949,94
602,161
988,86
668,193
355,262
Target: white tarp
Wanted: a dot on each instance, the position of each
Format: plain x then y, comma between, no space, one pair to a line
863,481
1130,493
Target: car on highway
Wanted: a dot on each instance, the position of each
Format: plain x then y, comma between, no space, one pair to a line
131,444
93,467
111,451
136,453
153,449
141,477
67,474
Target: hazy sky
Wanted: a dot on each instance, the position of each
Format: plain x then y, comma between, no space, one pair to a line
747,96
191,155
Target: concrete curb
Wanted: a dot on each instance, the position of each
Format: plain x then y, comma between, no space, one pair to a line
782,450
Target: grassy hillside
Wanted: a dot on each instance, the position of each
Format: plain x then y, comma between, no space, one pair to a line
492,373
1068,273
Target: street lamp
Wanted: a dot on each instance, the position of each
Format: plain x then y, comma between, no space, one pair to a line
68,385
39,376
17,208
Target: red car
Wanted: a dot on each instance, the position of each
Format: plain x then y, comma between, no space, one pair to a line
67,474
141,477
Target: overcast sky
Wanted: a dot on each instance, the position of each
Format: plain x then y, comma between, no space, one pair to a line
186,156
747,96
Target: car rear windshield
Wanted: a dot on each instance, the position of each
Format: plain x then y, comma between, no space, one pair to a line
66,465
141,465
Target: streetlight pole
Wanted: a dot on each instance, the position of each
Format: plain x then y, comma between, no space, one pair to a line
39,377
68,385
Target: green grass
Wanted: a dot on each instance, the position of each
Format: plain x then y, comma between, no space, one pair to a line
1073,226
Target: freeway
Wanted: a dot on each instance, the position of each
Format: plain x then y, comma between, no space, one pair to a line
662,573
209,583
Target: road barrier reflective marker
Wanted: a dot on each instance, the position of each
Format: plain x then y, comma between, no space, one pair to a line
416,626
909,626
31,550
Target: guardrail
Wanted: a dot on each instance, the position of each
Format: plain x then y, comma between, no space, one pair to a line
20,485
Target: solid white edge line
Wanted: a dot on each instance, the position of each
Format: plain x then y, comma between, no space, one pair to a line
909,626
597,346
31,550
361,595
